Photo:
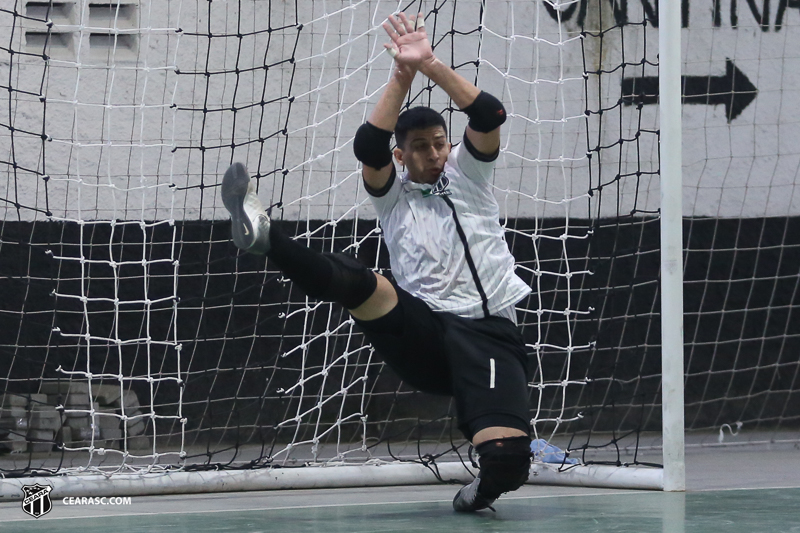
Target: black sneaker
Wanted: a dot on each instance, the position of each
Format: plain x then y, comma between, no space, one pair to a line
468,500
249,221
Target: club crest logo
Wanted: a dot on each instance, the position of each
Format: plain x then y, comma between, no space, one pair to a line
37,500
439,188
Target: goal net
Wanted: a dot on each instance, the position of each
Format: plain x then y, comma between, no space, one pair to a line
136,339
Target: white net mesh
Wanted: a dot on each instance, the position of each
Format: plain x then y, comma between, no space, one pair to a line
140,339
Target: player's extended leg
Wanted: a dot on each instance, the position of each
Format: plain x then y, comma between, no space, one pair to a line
490,381
504,467
324,276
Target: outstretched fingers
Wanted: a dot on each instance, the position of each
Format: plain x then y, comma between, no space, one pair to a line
394,27
391,31
391,49
397,28
420,22
407,24
401,26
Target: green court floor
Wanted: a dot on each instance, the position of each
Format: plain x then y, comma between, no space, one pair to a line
749,491
746,511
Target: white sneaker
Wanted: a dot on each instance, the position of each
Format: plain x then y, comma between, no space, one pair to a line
249,221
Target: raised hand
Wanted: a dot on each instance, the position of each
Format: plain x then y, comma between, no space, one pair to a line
410,45
404,74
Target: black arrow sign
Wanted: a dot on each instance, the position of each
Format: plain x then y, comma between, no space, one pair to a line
733,89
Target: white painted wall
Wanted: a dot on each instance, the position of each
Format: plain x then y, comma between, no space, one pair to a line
125,134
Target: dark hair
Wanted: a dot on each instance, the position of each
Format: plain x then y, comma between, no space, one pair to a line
416,118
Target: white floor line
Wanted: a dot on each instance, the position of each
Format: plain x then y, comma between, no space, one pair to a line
320,506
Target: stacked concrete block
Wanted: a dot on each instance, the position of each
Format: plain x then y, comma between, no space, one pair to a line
108,417
27,423
43,423
76,427
13,423
32,423
106,427
133,428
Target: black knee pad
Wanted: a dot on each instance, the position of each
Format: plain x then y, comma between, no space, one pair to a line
351,282
505,465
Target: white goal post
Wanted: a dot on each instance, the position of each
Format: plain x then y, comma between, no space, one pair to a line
672,374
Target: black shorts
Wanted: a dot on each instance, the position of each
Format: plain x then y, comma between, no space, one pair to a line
482,363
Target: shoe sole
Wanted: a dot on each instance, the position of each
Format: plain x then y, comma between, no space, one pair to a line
235,184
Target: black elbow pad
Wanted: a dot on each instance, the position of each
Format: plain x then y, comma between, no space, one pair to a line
371,146
485,113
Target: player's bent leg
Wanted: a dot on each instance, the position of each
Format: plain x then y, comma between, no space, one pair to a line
496,432
325,276
380,303
504,467
408,337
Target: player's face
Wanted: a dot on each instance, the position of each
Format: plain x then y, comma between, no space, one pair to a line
424,154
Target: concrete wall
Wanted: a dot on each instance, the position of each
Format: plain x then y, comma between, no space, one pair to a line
142,111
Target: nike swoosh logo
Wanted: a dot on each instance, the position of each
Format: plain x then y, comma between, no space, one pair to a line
245,229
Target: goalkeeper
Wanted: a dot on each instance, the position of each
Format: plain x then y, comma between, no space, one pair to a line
448,325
